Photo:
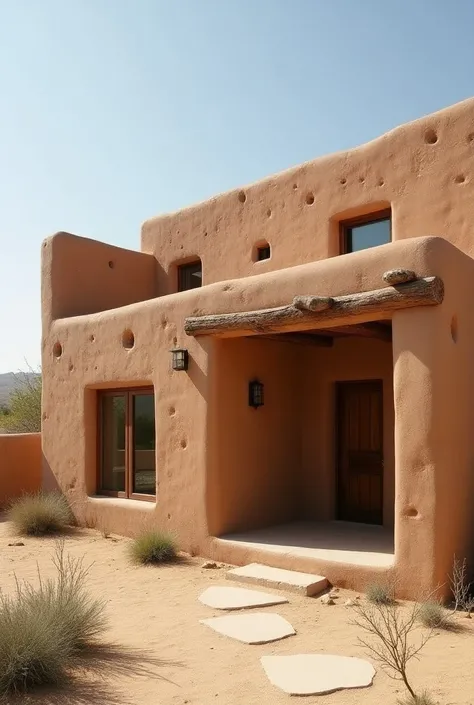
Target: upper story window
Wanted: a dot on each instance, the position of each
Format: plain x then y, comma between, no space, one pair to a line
367,231
190,276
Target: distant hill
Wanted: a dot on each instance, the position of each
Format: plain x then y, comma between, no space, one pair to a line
8,383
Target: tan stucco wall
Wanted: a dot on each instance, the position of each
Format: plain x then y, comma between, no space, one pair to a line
201,483
433,446
85,276
429,186
20,465
257,460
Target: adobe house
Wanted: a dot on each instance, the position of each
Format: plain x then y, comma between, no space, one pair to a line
317,412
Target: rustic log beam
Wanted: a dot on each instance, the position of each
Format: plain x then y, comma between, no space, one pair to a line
379,331
399,276
365,306
312,303
318,341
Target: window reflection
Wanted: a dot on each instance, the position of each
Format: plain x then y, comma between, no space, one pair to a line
367,232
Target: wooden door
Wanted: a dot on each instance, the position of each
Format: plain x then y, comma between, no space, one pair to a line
360,451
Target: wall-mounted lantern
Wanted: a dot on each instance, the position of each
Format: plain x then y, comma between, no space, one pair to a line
179,359
255,393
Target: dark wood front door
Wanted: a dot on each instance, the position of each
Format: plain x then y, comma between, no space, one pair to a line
360,451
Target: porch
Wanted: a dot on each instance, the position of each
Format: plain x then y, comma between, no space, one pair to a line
333,541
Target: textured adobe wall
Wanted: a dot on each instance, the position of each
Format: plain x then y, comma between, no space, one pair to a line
20,465
433,386
83,276
422,169
257,467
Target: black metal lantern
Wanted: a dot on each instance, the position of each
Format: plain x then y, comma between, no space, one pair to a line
179,359
255,393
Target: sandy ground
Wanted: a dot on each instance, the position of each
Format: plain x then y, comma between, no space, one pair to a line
169,658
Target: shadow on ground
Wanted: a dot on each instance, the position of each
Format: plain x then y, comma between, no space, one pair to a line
91,680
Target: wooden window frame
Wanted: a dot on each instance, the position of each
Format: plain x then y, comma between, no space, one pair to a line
129,393
346,226
182,268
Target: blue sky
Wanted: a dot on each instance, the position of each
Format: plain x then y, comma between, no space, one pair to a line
112,111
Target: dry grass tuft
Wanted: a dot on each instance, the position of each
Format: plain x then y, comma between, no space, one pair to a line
44,629
433,615
379,594
423,699
153,546
40,514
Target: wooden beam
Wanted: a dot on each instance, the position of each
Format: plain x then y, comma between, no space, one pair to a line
313,303
379,303
318,341
380,331
399,276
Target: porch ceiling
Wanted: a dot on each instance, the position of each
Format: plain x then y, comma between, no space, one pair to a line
324,337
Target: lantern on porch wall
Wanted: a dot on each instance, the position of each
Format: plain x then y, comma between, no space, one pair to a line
255,393
179,359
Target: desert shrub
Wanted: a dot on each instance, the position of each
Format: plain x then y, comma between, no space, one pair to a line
153,546
461,587
379,594
432,614
43,628
40,513
66,599
33,651
390,641
423,699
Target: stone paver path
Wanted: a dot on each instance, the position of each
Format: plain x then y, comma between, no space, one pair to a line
297,674
315,674
233,598
255,628
291,580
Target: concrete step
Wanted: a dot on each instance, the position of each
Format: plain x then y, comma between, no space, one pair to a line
291,580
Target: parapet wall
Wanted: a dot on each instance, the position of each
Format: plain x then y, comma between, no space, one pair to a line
20,465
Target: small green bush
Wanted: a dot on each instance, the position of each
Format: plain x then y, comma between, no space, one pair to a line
433,615
43,629
153,547
40,513
379,594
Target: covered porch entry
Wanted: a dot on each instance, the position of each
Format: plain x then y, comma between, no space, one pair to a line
307,478
310,472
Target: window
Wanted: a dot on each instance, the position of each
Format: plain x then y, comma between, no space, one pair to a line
127,443
263,252
190,276
367,231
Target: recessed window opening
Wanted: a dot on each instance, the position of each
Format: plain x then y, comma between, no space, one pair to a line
190,275
366,231
127,444
263,252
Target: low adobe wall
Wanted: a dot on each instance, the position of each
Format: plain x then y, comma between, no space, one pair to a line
20,465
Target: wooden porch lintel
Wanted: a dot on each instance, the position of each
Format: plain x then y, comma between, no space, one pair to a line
313,312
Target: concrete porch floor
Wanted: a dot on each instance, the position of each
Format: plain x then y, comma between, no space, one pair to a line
334,541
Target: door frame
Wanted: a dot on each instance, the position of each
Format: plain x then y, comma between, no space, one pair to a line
340,384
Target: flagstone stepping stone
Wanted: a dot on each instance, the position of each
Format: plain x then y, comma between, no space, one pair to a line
260,628
316,674
230,598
